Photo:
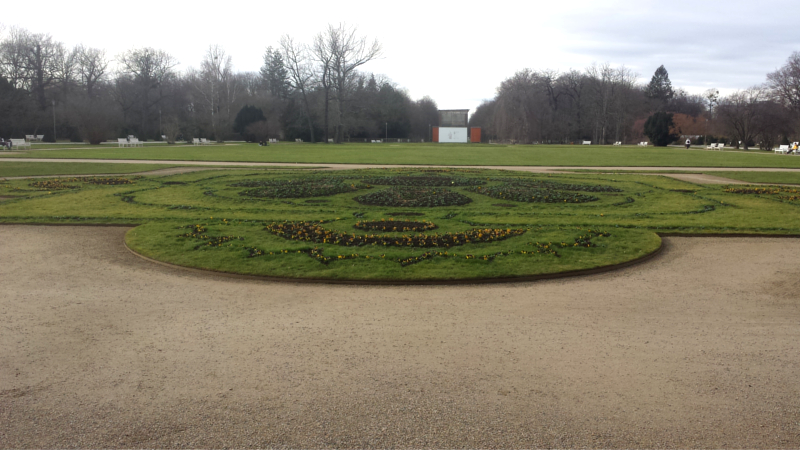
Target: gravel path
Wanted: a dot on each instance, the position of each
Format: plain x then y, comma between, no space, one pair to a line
99,348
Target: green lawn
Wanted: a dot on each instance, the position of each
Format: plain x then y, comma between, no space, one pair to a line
437,154
27,169
317,224
761,177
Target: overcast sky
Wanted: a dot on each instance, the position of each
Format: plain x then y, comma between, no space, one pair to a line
455,52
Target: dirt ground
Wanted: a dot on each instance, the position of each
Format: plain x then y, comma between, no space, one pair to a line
699,347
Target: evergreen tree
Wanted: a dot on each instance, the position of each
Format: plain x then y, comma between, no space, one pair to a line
657,128
247,116
660,88
274,74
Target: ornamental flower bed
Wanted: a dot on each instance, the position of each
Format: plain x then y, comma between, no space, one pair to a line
395,225
301,190
410,197
783,193
766,190
313,232
429,180
199,232
54,185
522,193
113,181
554,185
289,182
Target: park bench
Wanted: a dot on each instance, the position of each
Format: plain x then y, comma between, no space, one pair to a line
587,142
19,143
273,141
298,140
782,149
642,144
34,137
134,142
204,141
195,141
618,143
122,142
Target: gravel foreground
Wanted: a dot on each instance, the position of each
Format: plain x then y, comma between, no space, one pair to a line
698,348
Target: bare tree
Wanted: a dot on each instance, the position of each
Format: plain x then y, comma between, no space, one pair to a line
13,55
301,73
42,59
215,86
785,82
92,67
739,112
323,54
147,70
348,52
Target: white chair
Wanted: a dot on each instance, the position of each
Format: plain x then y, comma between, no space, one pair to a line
587,142
618,143
782,149
122,142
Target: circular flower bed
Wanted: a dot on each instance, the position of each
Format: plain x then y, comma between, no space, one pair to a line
395,225
529,194
423,180
310,187
413,197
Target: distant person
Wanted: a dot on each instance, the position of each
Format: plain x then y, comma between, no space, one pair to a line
794,149
688,143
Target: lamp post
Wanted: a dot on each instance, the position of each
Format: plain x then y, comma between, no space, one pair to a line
387,131
54,120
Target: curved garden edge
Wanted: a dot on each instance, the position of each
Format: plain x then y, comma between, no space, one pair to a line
572,273
451,282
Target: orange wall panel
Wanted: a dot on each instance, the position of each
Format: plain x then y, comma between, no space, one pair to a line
475,135
435,134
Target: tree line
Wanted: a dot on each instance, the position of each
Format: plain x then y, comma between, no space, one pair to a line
313,91
604,104
316,91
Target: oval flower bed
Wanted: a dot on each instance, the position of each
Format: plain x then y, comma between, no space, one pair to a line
522,193
395,225
413,197
430,180
554,185
302,188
